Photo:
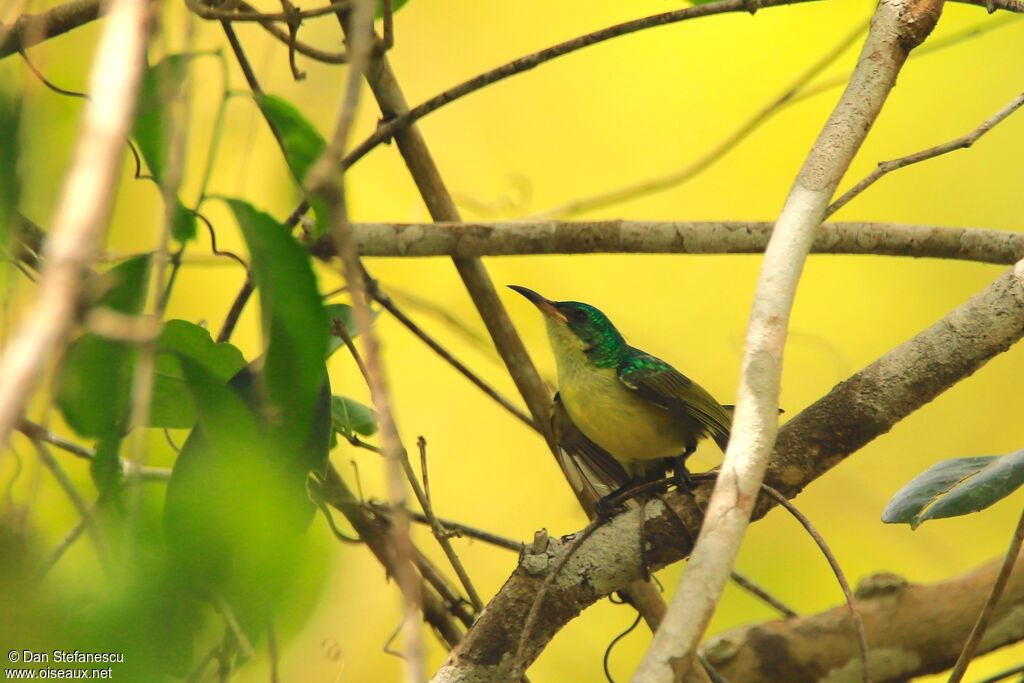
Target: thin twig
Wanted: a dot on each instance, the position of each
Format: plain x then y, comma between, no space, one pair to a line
962,142
455,603
302,48
83,208
272,653
69,539
210,13
858,622
231,621
235,312
751,587
324,180
974,640
719,150
440,533
388,304
135,471
84,510
374,530
458,528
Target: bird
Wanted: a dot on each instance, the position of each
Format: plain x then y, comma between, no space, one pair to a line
616,400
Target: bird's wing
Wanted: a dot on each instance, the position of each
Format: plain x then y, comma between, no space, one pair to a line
663,385
592,472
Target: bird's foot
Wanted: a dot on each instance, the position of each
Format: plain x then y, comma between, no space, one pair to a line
609,506
684,481
752,6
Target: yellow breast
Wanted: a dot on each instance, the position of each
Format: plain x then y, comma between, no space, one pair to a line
613,417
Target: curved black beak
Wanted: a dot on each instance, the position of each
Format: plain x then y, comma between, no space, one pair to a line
546,307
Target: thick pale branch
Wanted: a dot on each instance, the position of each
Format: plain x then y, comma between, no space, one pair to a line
913,630
897,27
471,240
83,207
854,413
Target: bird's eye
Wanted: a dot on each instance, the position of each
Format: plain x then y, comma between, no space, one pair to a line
578,316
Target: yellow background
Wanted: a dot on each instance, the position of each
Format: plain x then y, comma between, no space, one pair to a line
605,117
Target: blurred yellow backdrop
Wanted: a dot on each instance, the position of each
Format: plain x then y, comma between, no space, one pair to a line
598,119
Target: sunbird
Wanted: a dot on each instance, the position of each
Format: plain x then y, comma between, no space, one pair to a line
635,407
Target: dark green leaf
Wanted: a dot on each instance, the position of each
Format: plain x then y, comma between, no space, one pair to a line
94,384
398,4
301,145
183,222
295,324
161,84
105,466
10,182
235,508
172,405
956,487
123,287
351,416
344,314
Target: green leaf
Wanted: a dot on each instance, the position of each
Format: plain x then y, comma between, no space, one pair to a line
301,145
956,487
10,182
398,4
160,85
235,507
123,287
350,416
346,315
183,222
93,387
105,467
172,405
295,325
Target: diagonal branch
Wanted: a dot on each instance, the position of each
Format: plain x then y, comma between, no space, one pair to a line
32,29
441,206
855,412
83,208
897,27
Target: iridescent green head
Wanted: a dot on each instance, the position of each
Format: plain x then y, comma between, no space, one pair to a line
578,331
